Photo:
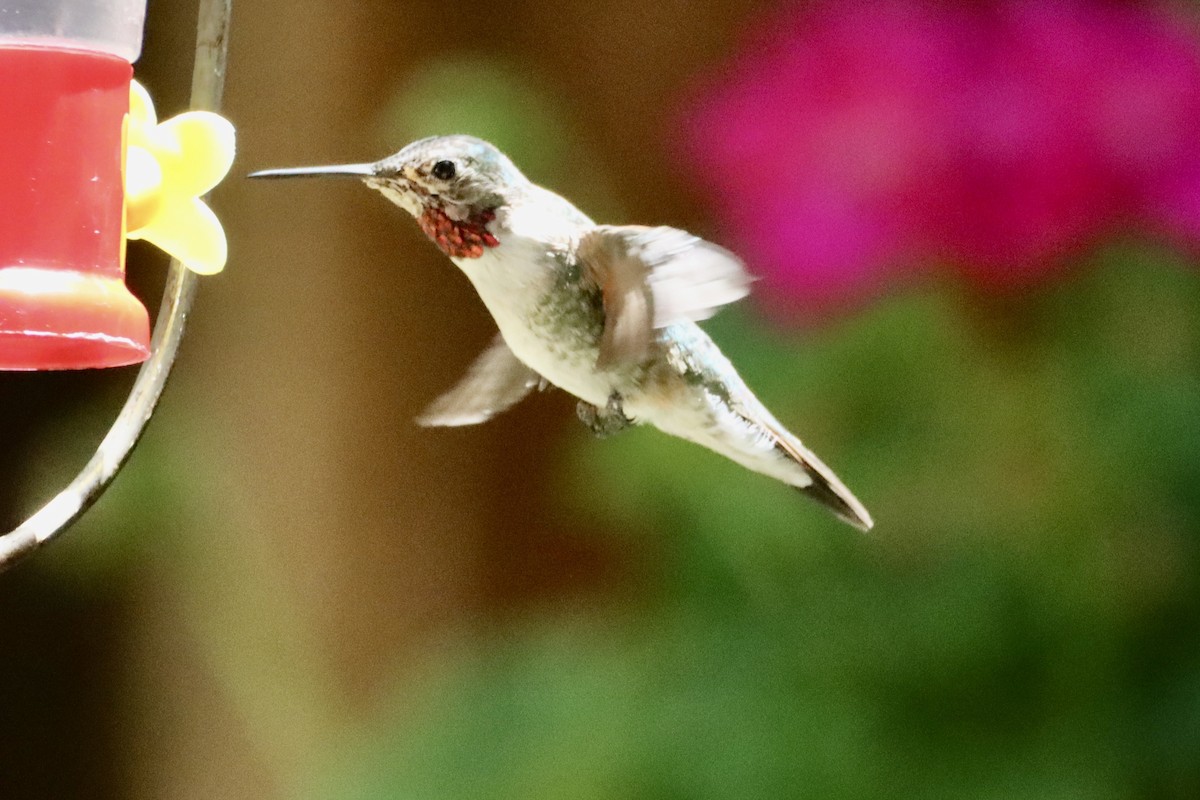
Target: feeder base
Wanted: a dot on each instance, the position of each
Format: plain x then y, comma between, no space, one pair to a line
61,319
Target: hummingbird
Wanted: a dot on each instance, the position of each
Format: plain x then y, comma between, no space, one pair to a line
607,313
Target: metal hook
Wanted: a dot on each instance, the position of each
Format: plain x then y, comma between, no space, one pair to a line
208,84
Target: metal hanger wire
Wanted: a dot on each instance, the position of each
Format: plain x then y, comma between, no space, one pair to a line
208,85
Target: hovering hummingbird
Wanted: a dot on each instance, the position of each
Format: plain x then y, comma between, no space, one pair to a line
605,312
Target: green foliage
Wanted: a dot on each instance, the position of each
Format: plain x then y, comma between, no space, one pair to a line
1022,623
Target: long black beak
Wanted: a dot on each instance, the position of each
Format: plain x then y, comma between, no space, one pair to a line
337,171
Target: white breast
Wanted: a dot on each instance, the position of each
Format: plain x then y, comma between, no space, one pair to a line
511,279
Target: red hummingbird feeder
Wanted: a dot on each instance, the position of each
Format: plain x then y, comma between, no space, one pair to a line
65,71
85,165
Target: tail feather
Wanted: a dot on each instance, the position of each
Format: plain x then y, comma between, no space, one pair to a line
824,486
845,506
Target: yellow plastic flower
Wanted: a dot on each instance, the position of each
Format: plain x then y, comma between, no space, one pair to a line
168,167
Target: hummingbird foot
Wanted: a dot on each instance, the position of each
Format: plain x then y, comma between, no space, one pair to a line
604,422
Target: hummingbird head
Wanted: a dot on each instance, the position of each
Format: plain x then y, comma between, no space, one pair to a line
453,185
446,171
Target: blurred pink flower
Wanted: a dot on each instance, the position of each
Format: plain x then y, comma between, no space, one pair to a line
861,143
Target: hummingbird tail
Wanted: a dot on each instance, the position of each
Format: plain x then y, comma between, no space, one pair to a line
823,485
745,432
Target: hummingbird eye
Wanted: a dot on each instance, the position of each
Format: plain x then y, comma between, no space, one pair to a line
443,170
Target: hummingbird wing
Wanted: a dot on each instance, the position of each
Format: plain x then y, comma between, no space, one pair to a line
653,277
496,381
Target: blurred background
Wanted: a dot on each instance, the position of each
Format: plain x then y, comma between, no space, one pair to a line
977,228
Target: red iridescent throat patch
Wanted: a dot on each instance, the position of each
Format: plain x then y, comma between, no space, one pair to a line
458,238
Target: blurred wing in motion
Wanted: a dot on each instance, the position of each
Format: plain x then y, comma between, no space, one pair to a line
496,381
653,277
